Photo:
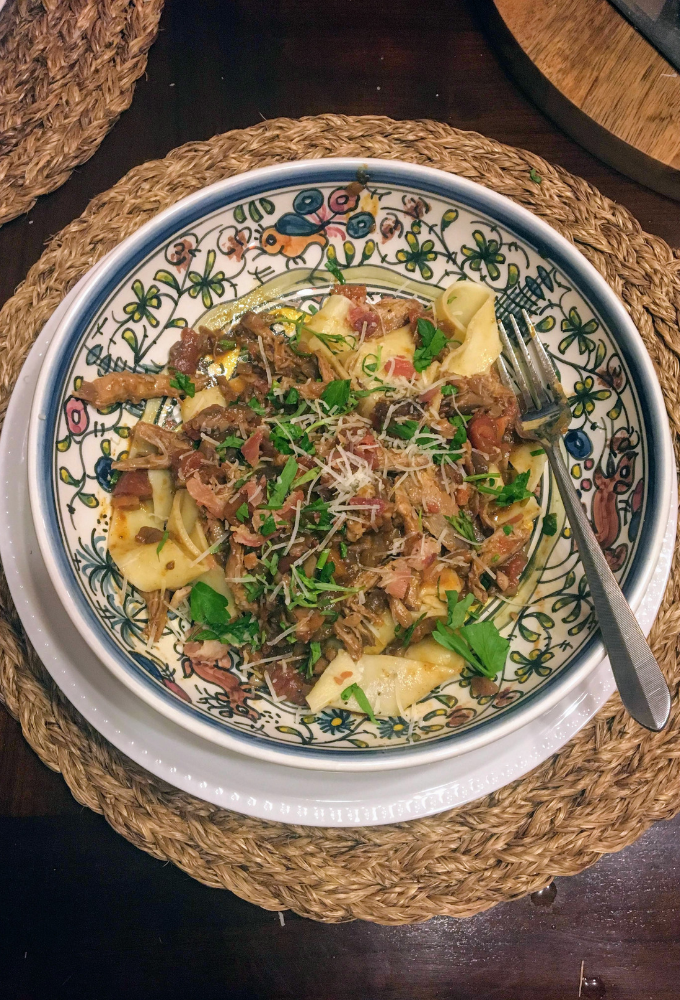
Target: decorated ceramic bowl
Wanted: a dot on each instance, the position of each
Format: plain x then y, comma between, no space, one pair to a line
411,231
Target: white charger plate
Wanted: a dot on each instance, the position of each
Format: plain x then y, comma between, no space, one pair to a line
220,776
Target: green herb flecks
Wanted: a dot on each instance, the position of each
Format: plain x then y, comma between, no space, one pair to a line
166,535
210,608
336,395
535,176
405,635
433,342
333,267
314,655
511,492
279,491
183,383
463,524
361,700
550,524
479,643
449,390
243,513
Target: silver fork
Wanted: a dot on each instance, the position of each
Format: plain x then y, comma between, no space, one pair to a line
545,415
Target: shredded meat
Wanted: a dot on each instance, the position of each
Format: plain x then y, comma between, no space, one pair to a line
186,353
157,608
170,444
149,536
288,683
125,387
214,421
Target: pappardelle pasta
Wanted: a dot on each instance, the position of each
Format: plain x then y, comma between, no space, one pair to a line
337,495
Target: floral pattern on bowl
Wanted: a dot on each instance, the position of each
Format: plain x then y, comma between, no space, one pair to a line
399,239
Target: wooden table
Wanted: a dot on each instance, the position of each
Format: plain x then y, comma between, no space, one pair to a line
84,914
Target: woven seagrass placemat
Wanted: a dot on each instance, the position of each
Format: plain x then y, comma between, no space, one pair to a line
597,795
67,70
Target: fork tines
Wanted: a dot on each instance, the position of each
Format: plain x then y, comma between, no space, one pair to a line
531,371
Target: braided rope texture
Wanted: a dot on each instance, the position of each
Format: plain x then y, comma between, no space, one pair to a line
597,795
67,70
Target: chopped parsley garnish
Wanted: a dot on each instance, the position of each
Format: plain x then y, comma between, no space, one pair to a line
361,700
479,643
166,535
225,345
405,430
232,441
460,437
254,589
449,390
343,550
464,525
292,398
243,513
550,524
336,395
535,176
507,529
257,406
284,434
210,608
325,574
433,342
268,526
539,451
279,491
314,655
333,267
183,383
514,491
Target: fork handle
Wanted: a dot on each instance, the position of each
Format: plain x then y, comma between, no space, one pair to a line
641,684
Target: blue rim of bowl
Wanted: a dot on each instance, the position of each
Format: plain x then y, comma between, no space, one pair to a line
129,254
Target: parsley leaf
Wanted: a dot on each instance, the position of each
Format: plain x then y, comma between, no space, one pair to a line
183,383
361,700
449,390
314,654
166,535
480,643
460,437
405,430
535,176
257,406
550,524
232,441
254,589
433,342
464,525
333,267
279,491
507,529
284,434
242,513
343,550
336,395
209,608
268,526
514,491
488,644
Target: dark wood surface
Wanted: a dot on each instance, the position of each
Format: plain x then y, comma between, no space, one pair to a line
83,913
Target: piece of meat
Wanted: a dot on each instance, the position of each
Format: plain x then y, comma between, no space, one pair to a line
125,387
400,612
421,551
308,623
288,683
362,317
243,536
208,651
149,536
134,484
371,504
157,609
170,444
405,509
185,353
251,448
395,577
233,571
349,631
355,293
214,498
213,420
393,313
399,368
